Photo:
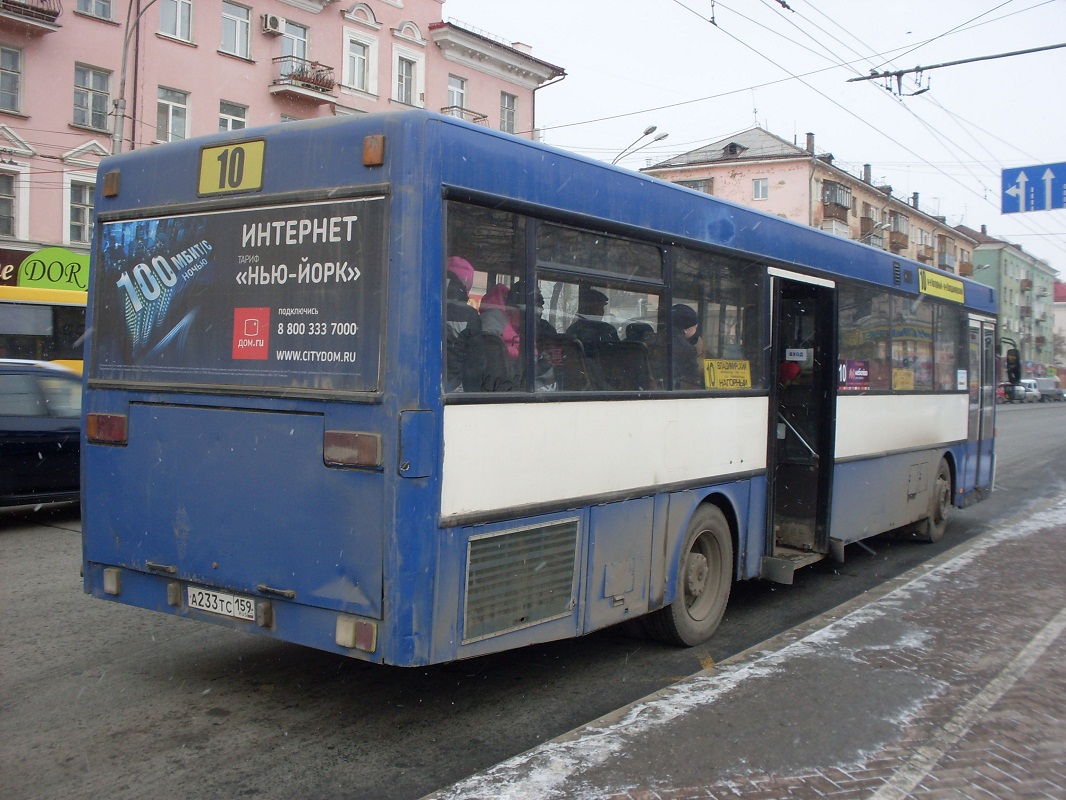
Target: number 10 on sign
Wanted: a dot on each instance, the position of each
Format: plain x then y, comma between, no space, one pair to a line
231,168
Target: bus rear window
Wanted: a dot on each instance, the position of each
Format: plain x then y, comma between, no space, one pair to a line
263,299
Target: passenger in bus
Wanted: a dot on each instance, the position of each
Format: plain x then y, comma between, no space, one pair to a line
684,324
516,303
462,320
589,327
498,318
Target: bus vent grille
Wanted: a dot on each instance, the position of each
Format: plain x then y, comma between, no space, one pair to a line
897,273
519,578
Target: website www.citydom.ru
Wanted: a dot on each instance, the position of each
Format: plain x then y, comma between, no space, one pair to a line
347,356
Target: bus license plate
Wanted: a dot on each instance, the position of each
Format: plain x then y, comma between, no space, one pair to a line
228,605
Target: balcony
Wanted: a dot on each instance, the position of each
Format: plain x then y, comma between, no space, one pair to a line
1027,285
898,241
946,261
298,77
465,113
1027,311
832,210
31,16
966,269
925,254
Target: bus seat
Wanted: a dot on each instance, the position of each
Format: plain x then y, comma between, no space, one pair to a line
625,366
567,357
487,366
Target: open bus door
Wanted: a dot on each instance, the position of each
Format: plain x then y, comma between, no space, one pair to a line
802,417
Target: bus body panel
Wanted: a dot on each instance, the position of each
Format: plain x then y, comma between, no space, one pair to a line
875,495
607,447
208,503
872,425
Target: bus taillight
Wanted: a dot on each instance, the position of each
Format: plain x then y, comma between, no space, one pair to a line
107,428
352,449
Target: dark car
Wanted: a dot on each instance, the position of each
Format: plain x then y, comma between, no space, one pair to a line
40,433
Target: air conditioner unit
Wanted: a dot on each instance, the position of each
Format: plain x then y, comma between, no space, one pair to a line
273,24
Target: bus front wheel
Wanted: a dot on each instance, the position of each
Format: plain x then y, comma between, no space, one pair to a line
931,529
704,578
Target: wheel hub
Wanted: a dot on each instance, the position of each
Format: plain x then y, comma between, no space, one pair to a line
696,570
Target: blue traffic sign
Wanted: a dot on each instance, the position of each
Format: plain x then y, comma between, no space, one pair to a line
1037,188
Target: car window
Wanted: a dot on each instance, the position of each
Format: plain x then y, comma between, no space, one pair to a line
19,397
62,397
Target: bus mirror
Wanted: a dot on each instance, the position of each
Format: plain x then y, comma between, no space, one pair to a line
1014,365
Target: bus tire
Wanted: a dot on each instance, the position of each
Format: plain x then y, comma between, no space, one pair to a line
931,529
704,578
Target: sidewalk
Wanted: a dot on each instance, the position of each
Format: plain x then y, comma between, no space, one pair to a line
949,682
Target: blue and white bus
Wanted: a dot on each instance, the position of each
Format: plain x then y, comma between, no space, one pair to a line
411,390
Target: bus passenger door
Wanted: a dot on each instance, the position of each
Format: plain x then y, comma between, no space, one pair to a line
978,475
802,417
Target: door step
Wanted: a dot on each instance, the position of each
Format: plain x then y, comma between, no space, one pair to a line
781,567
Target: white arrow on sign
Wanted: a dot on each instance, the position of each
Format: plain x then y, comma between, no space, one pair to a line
1018,190
1048,177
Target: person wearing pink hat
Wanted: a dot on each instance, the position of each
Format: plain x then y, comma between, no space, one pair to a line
462,319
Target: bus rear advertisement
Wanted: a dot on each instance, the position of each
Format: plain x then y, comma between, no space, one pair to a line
451,392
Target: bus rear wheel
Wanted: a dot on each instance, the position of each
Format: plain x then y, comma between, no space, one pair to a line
931,529
704,578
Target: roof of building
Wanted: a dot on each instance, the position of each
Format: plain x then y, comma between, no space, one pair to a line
1060,292
979,236
754,143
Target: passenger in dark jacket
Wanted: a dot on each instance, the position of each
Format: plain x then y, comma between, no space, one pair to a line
685,326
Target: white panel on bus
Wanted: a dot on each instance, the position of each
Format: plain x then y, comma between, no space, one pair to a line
869,425
498,456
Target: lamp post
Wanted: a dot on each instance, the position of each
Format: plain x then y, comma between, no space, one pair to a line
634,148
120,101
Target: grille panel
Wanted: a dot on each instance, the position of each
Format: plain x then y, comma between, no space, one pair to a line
518,578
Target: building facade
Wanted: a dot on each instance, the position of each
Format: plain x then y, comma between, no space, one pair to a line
758,169
1025,289
173,69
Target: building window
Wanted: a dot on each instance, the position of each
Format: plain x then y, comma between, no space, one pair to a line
358,76
705,185
508,112
836,194
81,212
231,117
95,8
91,97
236,30
10,79
405,81
175,19
7,205
294,41
171,115
899,223
760,189
456,95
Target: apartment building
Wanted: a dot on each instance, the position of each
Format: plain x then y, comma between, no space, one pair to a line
758,169
84,78
1025,289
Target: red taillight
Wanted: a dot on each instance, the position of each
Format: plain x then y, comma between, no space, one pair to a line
352,449
107,428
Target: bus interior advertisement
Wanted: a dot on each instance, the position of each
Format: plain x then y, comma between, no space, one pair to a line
276,298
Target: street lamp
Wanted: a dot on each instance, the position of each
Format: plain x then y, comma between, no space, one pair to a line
120,102
634,148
